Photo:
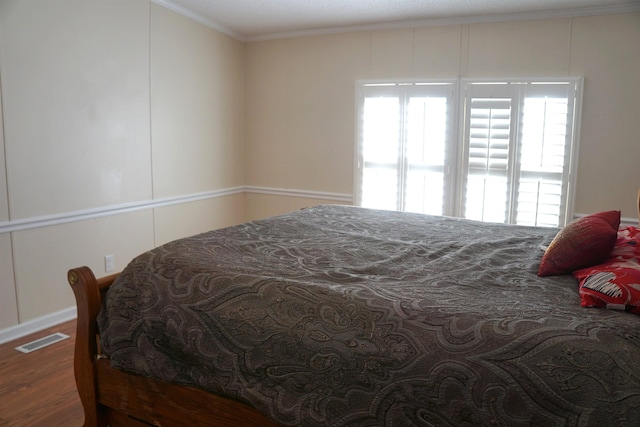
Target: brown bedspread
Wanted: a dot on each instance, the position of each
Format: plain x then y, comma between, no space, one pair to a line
343,316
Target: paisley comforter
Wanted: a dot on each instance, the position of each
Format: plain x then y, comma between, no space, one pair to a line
343,316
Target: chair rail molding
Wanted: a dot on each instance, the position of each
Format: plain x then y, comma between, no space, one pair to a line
67,217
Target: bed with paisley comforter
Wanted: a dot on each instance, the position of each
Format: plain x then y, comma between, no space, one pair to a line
344,316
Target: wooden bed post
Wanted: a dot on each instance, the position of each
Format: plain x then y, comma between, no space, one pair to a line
87,292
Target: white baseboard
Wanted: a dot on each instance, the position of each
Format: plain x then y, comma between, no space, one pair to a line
625,222
35,325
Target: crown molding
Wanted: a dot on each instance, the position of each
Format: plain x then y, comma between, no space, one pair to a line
456,20
201,19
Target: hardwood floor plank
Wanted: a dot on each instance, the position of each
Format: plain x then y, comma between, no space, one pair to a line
38,388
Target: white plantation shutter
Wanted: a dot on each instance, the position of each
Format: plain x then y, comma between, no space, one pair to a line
488,159
545,154
518,150
512,162
380,154
405,138
426,145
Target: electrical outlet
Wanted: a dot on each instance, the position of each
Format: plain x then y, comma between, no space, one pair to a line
109,263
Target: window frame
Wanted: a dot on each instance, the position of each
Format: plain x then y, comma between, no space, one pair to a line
451,154
571,149
456,156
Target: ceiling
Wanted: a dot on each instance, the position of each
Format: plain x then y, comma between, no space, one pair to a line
263,19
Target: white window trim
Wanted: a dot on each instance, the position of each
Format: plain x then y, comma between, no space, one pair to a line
578,82
454,202
358,163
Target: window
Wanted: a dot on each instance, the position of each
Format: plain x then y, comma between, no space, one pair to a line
500,152
404,147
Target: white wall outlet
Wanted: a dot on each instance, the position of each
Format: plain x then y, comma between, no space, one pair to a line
109,263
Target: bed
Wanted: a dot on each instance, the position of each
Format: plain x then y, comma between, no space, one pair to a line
345,316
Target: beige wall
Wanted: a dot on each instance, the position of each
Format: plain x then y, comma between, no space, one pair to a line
135,134
197,99
301,115
75,107
606,50
114,112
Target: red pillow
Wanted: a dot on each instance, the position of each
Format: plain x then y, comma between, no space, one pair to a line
628,244
614,284
586,241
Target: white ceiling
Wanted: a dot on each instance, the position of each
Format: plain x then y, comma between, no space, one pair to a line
263,19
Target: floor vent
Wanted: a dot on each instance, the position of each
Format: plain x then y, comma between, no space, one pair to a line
42,342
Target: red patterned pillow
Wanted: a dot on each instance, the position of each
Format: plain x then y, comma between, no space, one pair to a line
628,244
583,242
614,284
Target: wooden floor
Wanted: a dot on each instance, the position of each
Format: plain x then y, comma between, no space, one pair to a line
38,388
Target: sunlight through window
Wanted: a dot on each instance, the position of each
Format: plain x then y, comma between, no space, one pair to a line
509,160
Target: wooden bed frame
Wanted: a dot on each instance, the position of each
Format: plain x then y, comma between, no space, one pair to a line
112,397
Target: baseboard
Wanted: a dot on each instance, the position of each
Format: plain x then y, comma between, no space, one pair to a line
35,325
625,222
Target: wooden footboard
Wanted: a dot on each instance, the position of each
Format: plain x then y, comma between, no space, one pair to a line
113,397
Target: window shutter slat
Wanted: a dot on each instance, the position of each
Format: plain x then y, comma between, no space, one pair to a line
543,161
488,159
